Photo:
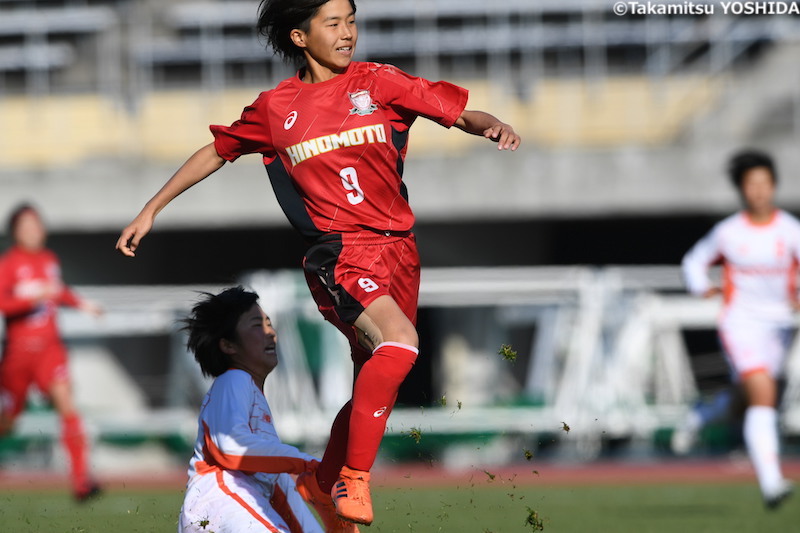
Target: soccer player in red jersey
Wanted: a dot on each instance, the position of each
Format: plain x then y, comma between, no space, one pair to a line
334,139
31,290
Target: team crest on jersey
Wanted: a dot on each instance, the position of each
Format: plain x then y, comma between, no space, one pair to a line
362,103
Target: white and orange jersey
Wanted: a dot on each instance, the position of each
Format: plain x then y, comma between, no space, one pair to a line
759,266
236,437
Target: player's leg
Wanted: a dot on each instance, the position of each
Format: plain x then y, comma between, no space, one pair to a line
359,427
15,378
53,378
374,394
760,427
377,384
336,450
388,322
73,438
761,436
359,301
316,487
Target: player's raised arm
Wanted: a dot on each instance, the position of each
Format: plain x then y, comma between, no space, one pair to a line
481,123
199,166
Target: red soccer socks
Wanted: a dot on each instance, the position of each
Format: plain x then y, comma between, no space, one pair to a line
336,450
73,438
374,395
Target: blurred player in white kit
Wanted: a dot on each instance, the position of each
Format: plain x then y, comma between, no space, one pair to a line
759,250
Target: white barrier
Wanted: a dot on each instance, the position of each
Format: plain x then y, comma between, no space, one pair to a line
607,358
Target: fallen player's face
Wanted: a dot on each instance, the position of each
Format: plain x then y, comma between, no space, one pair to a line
256,342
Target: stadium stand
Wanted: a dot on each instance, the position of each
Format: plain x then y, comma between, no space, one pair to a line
68,129
36,56
574,71
565,112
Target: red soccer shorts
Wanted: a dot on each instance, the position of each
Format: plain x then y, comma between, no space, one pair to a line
346,272
22,367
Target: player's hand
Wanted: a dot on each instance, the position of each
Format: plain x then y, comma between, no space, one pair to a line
130,237
713,291
92,308
504,135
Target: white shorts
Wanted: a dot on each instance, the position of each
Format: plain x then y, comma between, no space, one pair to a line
232,502
755,347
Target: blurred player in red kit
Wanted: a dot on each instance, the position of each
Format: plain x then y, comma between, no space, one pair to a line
31,290
334,139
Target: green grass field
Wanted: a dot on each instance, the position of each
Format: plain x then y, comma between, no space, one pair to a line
478,508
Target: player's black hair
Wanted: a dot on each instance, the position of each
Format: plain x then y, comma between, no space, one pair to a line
744,160
212,319
277,19
16,213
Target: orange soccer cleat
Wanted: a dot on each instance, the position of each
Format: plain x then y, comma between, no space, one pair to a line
309,489
351,496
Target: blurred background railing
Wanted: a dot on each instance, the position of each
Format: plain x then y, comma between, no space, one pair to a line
611,352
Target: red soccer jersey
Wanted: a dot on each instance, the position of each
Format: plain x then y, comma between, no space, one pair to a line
334,150
23,275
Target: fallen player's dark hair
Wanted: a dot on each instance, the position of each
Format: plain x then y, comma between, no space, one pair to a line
212,319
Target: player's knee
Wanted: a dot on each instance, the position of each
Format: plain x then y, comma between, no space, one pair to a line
760,389
401,332
407,336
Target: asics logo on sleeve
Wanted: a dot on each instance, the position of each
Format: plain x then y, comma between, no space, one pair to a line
379,412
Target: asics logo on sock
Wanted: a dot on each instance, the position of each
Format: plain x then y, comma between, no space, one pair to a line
379,412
